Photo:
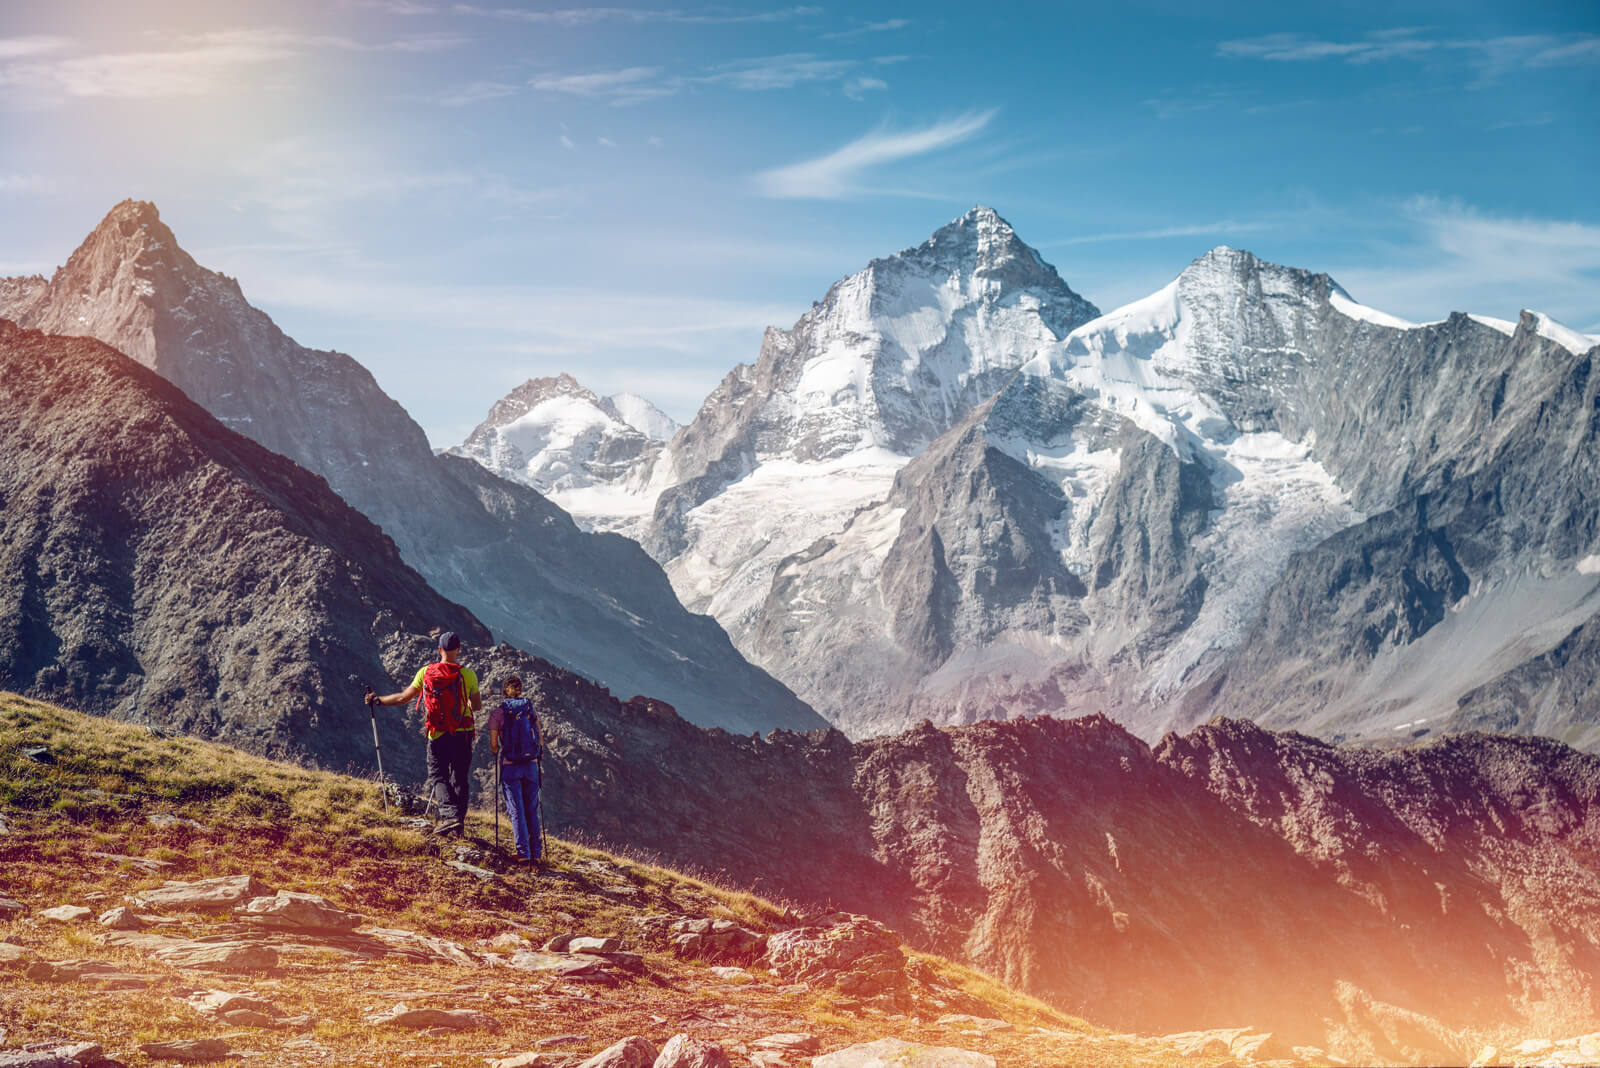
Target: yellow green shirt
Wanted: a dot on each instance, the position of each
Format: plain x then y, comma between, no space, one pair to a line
469,686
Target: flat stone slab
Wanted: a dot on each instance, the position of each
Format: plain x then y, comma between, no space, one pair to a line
11,907
14,956
299,911
421,1019
224,956
532,1060
587,944
67,913
220,1002
483,875
898,1053
206,895
973,1023
790,1042
195,1050
92,972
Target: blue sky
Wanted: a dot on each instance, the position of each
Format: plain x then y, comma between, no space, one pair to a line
483,192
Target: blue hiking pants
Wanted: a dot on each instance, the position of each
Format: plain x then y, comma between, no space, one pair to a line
519,785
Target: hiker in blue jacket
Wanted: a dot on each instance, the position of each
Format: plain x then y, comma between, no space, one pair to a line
518,743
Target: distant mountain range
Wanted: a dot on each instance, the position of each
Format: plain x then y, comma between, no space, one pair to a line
592,602
955,490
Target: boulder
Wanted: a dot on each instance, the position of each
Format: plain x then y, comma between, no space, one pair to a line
121,918
67,913
557,943
853,953
716,940
421,1019
681,1051
308,912
594,945
193,1050
1589,1046
10,907
898,1053
206,895
635,1051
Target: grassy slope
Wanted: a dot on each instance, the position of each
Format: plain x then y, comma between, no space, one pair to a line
315,831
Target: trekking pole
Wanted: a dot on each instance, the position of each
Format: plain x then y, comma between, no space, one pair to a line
544,839
497,789
372,710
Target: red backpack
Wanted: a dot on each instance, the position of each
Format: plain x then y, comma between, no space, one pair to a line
444,700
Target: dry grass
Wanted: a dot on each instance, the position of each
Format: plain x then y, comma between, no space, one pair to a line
301,829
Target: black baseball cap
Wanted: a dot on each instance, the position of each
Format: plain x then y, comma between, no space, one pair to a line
449,641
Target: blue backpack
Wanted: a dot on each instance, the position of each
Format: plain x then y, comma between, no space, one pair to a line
519,731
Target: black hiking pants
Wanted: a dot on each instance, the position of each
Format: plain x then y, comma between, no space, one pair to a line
449,761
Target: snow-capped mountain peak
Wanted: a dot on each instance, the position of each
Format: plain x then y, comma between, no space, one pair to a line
561,438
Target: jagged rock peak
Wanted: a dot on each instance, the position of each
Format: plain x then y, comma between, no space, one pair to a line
985,245
1224,266
522,400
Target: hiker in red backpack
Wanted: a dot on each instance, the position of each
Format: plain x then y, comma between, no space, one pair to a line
449,694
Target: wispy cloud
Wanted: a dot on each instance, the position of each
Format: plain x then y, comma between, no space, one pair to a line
472,93
837,174
633,85
585,16
872,27
627,86
393,7
1221,226
1492,56
858,88
16,47
777,72
191,65
15,184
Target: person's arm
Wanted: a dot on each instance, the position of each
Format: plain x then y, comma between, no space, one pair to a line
494,740
407,694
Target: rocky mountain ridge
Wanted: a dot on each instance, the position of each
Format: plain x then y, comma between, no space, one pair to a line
593,602
160,568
